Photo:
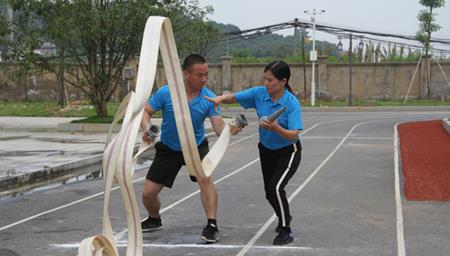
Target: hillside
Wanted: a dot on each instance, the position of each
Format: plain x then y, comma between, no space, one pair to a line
269,45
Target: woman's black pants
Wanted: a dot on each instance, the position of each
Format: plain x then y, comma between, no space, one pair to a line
278,166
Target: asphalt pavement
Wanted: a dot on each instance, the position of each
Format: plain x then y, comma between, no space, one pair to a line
346,199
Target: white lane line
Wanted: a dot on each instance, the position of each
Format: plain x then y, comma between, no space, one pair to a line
120,235
351,138
52,210
202,246
252,241
401,251
240,140
115,188
96,195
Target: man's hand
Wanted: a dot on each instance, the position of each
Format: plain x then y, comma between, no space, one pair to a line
146,138
234,129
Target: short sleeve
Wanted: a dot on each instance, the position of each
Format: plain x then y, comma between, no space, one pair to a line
295,117
211,110
246,98
156,102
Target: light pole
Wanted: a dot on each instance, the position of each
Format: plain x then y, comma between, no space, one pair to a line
350,53
350,72
313,53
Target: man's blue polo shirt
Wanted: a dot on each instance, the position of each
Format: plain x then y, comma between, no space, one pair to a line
259,98
199,107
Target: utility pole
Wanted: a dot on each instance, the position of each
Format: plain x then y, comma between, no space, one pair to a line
350,72
9,20
294,41
313,53
302,30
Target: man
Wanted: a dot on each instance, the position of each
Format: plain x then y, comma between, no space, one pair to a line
169,158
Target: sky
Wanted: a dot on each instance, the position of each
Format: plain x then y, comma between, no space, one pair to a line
386,16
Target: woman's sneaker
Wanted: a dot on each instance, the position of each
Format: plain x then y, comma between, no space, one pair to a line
284,237
151,224
210,234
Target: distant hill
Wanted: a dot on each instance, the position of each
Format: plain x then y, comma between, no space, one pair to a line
271,45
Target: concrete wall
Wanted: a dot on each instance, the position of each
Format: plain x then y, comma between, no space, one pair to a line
369,80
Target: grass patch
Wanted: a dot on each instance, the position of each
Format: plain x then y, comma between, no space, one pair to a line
50,109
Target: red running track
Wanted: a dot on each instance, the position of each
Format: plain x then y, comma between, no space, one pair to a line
425,152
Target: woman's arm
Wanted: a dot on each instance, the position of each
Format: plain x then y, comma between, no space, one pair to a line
285,133
226,98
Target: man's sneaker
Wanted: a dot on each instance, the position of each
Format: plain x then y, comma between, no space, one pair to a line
151,224
210,234
279,224
284,237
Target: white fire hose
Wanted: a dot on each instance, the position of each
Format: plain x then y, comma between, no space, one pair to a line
118,159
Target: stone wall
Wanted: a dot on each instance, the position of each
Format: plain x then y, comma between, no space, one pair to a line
369,81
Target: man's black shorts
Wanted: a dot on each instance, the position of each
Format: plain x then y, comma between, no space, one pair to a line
168,162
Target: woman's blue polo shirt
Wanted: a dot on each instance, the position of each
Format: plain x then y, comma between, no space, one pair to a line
291,119
199,107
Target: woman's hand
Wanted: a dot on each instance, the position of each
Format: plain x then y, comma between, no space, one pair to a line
217,101
271,126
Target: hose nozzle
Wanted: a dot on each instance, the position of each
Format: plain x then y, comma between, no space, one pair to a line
273,116
241,121
152,131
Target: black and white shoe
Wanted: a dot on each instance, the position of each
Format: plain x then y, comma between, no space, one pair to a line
210,234
151,224
284,237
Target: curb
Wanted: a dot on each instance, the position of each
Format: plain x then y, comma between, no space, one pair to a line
83,127
47,175
60,173
11,124
369,109
446,124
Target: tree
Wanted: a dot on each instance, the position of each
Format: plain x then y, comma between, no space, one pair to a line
197,35
426,27
95,37
18,40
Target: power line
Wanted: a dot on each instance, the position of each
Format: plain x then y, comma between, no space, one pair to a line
327,28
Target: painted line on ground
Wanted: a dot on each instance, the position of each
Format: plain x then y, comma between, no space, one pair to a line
202,246
351,138
87,198
401,251
252,241
120,234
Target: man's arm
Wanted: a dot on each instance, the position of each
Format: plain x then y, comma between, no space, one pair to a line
217,123
146,116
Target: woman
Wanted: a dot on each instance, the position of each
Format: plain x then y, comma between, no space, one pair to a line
279,146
